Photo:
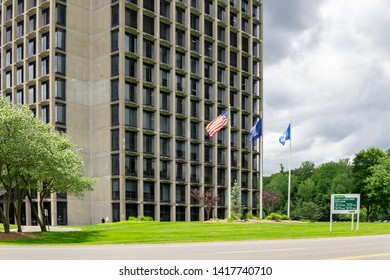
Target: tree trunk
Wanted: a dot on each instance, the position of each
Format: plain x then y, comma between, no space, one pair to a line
5,214
35,213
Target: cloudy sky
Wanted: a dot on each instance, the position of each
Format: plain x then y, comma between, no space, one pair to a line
326,68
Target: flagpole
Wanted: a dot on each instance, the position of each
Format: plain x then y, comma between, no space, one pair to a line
289,178
229,175
260,149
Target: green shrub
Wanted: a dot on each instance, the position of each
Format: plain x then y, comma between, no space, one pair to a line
145,219
285,218
249,216
230,220
236,216
274,217
133,219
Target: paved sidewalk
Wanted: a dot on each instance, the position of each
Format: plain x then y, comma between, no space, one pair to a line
49,228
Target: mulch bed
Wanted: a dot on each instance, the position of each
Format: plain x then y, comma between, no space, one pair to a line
16,235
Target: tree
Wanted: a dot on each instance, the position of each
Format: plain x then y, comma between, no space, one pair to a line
378,184
361,171
271,201
209,200
34,158
307,211
236,198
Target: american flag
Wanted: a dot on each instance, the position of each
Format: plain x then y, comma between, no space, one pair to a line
217,124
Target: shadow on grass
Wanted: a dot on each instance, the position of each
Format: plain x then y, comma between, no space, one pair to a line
59,238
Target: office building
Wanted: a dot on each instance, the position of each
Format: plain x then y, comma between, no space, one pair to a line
134,83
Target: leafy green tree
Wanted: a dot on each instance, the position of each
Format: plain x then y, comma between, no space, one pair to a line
271,201
34,158
378,184
361,171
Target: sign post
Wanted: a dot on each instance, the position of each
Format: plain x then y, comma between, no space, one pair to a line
345,204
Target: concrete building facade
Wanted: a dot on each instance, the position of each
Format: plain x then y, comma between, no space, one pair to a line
134,83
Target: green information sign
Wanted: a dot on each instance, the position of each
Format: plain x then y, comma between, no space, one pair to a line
345,203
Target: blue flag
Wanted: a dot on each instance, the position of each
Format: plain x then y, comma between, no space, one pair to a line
286,135
255,131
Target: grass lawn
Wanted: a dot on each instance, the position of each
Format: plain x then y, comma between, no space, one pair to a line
178,232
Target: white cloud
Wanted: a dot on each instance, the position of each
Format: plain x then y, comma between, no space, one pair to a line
332,79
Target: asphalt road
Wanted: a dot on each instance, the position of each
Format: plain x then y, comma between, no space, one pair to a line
348,248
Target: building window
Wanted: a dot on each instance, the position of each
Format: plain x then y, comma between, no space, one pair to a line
115,15
208,175
165,31
208,48
45,114
165,101
148,96
8,57
31,95
208,70
131,190
8,34
221,34
194,22
114,40
165,8
19,75
45,42
60,39
148,122
208,91
208,154
19,52
32,23
180,194
180,15
20,29
8,12
194,87
131,116
31,47
131,92
208,28
115,164
148,50
148,25
180,150
164,78
149,5
164,55
165,170
131,165
45,94
115,140
180,105
115,189
31,71
114,90
180,38
45,66
149,191
180,172
148,144
32,3
60,64
221,54
130,67
194,43
19,97
60,111
45,17
114,115
195,155
180,60
149,167
221,13
130,18
148,72
165,126
130,43
221,95
233,39
165,147
131,141
180,127
61,14
180,83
